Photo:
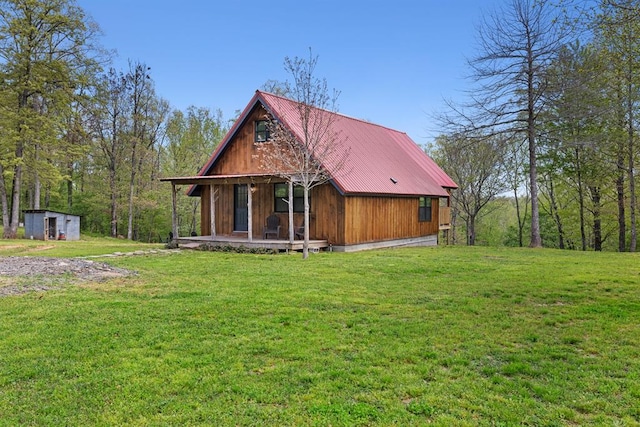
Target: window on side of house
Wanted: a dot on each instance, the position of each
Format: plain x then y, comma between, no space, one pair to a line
424,209
281,198
261,131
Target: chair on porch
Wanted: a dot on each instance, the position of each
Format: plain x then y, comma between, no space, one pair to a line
272,228
299,232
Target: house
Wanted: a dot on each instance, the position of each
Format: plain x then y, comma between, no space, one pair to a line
41,224
388,191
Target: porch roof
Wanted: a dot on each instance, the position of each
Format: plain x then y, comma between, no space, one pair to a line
223,179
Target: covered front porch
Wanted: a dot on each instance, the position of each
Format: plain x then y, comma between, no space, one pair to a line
234,210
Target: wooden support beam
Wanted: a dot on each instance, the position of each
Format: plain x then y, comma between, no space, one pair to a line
250,189
212,209
292,234
174,211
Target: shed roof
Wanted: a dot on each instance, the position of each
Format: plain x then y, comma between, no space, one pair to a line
379,160
30,211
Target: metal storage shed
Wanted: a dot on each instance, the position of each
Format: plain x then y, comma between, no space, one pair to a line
43,224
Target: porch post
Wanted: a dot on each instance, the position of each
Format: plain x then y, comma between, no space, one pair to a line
250,213
212,209
174,213
292,235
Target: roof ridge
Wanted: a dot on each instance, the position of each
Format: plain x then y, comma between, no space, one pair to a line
337,113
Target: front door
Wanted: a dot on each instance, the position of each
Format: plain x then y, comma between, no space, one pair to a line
241,210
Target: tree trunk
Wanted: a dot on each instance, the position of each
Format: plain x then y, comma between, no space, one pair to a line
36,191
47,196
70,186
556,214
292,232
16,188
114,201
536,240
454,225
132,180
36,181
130,217
583,234
520,219
622,225
597,222
631,160
305,244
14,221
471,230
4,201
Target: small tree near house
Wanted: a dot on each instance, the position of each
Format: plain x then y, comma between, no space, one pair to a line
307,151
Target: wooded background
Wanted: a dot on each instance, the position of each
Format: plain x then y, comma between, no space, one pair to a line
544,148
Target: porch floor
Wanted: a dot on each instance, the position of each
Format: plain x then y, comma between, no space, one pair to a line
237,241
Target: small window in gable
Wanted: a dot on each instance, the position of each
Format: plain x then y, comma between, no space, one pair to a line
424,209
261,131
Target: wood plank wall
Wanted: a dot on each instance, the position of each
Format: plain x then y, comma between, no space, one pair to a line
370,219
326,216
241,155
340,220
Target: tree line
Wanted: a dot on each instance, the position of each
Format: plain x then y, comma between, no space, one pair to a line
549,130
78,135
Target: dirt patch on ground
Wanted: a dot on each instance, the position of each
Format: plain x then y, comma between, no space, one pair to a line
19,275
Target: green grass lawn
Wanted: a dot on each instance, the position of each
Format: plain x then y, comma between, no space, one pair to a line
425,336
62,248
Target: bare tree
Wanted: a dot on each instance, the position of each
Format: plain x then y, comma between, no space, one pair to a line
480,180
307,150
108,122
516,44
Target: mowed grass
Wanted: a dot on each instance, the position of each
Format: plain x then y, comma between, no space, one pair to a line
424,336
85,247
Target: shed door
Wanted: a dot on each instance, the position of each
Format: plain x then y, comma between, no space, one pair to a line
52,228
241,210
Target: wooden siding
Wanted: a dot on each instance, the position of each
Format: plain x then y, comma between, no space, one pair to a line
370,219
241,156
445,217
326,216
328,209
339,220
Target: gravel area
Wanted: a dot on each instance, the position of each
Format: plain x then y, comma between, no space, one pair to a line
19,275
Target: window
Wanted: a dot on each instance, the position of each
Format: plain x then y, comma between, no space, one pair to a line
424,209
281,198
262,131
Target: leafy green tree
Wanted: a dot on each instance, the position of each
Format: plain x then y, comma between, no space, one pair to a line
618,29
46,48
576,142
191,137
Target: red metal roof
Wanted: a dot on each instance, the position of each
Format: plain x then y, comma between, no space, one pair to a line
379,160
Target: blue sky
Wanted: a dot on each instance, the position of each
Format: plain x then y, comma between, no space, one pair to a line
393,61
